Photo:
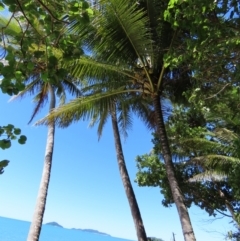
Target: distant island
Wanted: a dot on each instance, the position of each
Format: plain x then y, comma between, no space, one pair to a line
84,230
55,224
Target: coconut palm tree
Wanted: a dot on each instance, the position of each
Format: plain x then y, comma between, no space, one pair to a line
130,39
45,79
119,110
140,230
44,91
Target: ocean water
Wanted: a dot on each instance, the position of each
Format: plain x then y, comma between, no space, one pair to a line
16,230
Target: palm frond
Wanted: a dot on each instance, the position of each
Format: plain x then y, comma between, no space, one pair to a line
225,135
123,31
124,116
216,161
100,119
31,88
90,68
71,87
200,144
40,98
61,94
161,31
85,107
143,109
66,85
209,175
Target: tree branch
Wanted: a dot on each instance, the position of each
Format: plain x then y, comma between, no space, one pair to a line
217,92
49,11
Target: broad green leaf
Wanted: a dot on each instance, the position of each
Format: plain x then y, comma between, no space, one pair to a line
3,163
5,144
22,139
17,131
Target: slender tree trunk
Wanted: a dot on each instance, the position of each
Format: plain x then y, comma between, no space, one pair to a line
176,192
141,234
36,224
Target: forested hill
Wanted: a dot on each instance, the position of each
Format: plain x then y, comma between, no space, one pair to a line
85,230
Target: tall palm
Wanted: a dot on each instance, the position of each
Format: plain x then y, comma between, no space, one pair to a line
44,91
45,79
130,38
119,110
141,233
35,228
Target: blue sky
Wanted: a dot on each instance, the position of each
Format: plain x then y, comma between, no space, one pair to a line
85,189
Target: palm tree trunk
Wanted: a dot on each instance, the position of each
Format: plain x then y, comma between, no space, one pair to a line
176,192
141,234
36,224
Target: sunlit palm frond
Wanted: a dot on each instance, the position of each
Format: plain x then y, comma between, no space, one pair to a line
225,119
215,161
225,135
90,68
84,107
122,32
209,175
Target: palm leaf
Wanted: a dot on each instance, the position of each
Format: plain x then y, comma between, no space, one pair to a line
225,135
90,106
209,175
85,107
90,68
123,31
122,35
40,99
100,118
124,117
200,144
215,161
71,87
161,30
68,85
30,89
